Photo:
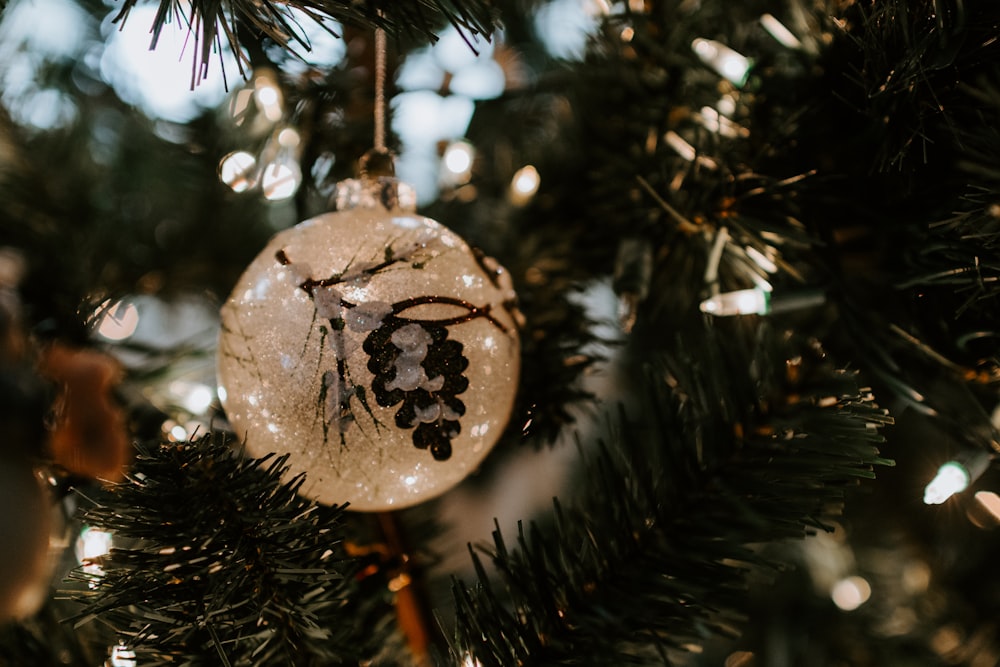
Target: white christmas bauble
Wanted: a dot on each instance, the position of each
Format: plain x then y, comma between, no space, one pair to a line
375,348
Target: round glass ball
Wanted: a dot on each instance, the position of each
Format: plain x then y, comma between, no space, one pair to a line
376,349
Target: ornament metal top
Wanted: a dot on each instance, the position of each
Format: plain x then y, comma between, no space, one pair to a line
375,347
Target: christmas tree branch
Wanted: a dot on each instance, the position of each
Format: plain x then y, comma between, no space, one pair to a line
654,553
223,560
213,23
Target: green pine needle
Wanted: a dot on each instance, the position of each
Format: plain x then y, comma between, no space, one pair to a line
655,551
211,23
225,564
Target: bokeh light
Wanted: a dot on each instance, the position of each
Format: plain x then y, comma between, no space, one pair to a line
162,82
850,593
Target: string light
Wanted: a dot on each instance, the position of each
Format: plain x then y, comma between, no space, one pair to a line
276,170
954,477
776,29
91,545
195,397
713,121
850,593
524,185
267,96
760,300
687,151
753,301
761,260
457,162
122,656
951,478
730,64
238,170
282,175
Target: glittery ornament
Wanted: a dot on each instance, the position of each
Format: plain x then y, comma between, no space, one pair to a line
375,347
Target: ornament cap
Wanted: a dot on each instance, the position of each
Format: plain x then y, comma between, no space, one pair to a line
376,188
377,163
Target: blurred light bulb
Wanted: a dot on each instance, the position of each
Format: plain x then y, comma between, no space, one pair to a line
761,260
726,105
724,60
267,95
777,29
118,320
990,502
457,161
92,543
238,170
850,593
288,138
194,397
524,185
178,433
951,478
280,180
753,301
687,151
122,656
713,121
281,175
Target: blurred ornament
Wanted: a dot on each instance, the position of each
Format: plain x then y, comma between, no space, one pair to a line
373,346
24,549
89,436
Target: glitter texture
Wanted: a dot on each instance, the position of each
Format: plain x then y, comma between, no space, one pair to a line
382,357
